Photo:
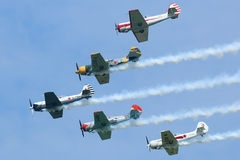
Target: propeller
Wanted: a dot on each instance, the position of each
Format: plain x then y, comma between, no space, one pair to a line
31,107
81,127
78,72
148,145
116,28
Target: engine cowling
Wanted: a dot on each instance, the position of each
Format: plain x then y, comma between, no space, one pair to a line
82,70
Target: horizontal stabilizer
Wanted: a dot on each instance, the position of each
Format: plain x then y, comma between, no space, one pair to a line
202,128
135,112
87,90
174,10
134,54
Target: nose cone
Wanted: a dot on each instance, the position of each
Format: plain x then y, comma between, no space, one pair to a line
82,70
118,28
84,126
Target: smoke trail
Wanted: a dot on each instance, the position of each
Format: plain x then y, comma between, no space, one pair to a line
209,138
195,113
217,51
161,90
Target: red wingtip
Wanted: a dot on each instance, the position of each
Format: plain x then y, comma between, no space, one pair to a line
137,107
97,111
133,10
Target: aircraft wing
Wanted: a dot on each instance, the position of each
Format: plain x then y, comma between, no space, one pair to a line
100,120
57,114
105,135
141,35
98,63
51,100
102,79
138,25
169,142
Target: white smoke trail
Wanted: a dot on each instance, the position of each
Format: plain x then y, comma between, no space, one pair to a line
209,138
161,90
217,51
195,113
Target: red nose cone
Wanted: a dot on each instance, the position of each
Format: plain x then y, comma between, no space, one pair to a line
84,126
118,27
136,107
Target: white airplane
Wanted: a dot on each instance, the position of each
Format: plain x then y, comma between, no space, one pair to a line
54,105
139,25
170,142
102,124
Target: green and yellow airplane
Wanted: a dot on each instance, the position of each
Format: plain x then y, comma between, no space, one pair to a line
100,68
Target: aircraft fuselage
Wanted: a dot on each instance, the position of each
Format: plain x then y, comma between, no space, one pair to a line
126,26
90,126
157,144
41,106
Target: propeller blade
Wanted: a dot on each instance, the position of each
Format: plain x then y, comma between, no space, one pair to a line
79,72
30,102
148,145
32,113
147,140
81,128
80,124
82,133
116,28
31,107
79,77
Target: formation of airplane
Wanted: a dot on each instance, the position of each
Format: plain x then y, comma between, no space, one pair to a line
100,67
170,142
139,25
54,105
102,124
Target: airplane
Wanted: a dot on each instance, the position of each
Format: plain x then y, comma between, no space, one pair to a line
102,124
139,25
100,67
54,105
170,142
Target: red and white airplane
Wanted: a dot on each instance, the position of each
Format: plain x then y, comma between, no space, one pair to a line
102,124
170,142
55,105
139,25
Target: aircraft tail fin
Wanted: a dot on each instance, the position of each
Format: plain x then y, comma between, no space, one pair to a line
173,10
202,128
135,112
87,91
134,54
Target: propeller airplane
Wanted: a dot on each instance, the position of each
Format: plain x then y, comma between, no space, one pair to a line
100,67
139,25
54,105
102,124
170,142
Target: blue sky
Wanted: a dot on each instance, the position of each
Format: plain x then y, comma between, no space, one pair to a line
41,41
